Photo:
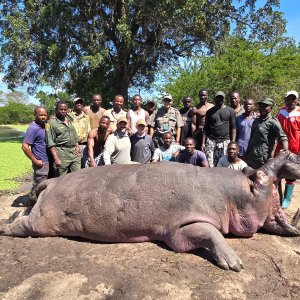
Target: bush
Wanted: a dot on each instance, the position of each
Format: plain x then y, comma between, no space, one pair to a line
13,113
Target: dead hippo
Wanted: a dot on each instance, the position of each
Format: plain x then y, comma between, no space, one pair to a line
185,206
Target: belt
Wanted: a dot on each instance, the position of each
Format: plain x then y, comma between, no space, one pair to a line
65,146
85,143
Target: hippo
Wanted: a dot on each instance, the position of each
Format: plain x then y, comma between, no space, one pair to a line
185,206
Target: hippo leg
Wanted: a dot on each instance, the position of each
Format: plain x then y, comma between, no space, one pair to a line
199,235
16,228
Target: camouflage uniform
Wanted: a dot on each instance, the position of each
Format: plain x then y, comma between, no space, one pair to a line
163,121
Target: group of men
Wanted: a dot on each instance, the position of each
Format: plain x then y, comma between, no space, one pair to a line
207,135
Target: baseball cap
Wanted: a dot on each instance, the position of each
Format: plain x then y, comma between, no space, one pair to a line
122,119
220,93
291,93
76,99
167,97
267,101
140,122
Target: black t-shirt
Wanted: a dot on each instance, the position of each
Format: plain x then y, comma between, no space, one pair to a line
219,122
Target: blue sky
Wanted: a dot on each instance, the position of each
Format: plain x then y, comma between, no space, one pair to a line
290,8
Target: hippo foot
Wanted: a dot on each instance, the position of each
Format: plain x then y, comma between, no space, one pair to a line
205,235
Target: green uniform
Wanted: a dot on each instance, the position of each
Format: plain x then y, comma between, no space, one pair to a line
264,133
64,138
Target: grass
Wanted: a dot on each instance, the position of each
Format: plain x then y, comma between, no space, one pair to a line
14,163
20,127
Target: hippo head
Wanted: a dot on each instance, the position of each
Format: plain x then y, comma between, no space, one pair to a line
290,167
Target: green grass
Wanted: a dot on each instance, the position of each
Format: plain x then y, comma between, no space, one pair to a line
20,127
14,163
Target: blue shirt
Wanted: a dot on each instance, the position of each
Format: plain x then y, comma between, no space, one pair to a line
35,137
243,127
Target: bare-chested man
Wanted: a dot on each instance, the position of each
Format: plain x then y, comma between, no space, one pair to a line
198,119
95,111
96,139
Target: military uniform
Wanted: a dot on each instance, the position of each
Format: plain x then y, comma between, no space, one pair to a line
64,138
163,121
262,140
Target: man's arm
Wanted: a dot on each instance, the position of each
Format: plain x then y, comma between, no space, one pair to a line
109,149
91,144
178,132
26,149
57,160
233,134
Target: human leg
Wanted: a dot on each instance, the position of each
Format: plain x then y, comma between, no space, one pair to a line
288,193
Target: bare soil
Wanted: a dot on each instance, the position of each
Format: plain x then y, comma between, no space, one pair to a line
61,268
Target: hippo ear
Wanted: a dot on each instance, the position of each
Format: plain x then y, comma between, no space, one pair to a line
250,173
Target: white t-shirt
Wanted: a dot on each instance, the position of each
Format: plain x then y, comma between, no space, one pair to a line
223,162
163,154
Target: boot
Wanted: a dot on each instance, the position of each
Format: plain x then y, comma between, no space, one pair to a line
288,191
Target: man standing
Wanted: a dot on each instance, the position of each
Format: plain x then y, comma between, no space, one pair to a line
289,118
142,146
166,119
81,122
116,112
34,147
117,146
265,130
219,130
198,119
62,142
93,154
94,111
243,126
136,113
235,103
186,114
190,155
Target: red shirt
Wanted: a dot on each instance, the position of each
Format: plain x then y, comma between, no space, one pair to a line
290,123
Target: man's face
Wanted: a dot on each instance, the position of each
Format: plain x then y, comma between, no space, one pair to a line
118,102
167,139
203,95
140,129
150,106
187,102
62,110
122,126
137,101
104,123
97,100
291,102
232,151
41,116
264,109
249,105
234,99
167,103
79,106
219,100
189,146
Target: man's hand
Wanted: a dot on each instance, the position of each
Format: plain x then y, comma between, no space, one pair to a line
38,163
57,162
93,163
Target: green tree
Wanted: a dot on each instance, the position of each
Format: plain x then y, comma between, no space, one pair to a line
254,69
107,46
14,113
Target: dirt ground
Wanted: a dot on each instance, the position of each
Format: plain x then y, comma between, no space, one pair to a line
61,268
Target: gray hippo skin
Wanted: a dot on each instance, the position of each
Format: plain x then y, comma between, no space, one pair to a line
185,206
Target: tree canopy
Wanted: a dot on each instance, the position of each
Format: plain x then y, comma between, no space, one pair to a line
254,69
106,46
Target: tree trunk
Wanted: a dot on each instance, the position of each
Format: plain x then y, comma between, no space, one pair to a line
121,86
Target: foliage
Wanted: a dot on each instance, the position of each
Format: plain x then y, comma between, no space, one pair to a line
106,46
13,112
19,127
49,100
253,69
13,163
